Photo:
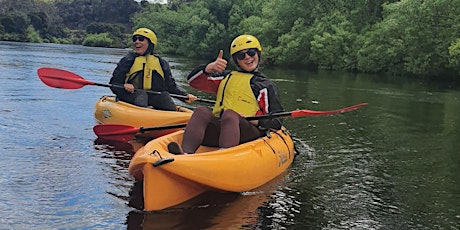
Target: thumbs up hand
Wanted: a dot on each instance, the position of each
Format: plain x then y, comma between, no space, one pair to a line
218,65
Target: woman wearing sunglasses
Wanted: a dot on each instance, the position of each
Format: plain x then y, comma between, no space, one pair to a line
241,93
143,69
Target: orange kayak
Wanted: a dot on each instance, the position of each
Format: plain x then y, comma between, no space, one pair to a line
108,110
169,180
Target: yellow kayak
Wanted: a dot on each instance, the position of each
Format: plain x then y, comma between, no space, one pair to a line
170,179
108,110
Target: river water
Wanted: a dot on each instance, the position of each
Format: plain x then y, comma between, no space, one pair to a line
391,165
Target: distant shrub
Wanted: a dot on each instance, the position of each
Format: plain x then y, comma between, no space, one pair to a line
98,40
33,35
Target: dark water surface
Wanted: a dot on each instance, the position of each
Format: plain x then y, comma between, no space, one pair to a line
391,165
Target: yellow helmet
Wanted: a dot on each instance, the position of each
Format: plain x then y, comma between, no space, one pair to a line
244,41
148,34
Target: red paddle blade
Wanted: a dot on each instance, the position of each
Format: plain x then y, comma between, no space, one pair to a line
303,113
115,132
63,79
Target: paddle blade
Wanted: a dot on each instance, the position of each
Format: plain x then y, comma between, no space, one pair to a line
115,132
303,113
63,79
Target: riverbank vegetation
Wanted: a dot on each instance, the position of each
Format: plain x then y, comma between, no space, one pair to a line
406,37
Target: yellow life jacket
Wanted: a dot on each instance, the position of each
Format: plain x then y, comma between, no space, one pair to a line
235,93
148,64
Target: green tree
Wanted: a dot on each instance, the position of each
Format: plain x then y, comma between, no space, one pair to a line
15,23
334,48
454,55
414,37
98,40
39,21
393,36
17,6
84,12
382,50
191,30
33,36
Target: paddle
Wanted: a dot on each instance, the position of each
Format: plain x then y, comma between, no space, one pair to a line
118,132
125,132
63,79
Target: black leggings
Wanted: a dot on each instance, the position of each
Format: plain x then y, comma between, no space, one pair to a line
225,132
141,98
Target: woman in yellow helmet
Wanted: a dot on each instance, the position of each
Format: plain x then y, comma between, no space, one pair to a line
246,92
143,69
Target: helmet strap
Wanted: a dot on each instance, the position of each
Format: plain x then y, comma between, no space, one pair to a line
149,49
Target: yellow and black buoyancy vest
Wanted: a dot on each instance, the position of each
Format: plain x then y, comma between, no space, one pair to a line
148,64
235,93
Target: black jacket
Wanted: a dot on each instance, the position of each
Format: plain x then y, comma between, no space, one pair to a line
200,80
159,83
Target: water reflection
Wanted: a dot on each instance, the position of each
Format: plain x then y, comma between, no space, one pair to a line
216,210
271,206
116,155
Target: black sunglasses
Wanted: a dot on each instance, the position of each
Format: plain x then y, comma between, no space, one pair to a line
141,38
240,55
